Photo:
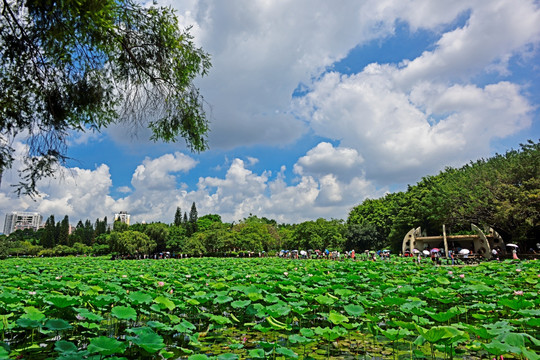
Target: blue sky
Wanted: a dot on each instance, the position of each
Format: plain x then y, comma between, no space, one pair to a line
316,107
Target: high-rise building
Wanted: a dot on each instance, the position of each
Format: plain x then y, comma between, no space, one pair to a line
18,220
122,216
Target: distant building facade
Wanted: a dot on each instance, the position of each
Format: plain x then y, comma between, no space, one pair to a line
17,220
122,216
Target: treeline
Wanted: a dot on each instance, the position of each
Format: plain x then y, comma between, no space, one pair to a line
502,192
193,236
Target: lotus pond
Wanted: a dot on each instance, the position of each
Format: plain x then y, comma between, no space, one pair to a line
95,308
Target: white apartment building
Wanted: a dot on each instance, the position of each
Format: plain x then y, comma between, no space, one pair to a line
18,220
122,216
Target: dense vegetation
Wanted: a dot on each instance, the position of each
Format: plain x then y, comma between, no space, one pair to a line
71,66
502,192
266,308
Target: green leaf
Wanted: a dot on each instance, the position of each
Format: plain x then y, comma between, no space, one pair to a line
198,357
147,339
164,302
27,323
257,353
106,346
228,356
324,300
295,338
57,324
222,299
65,347
140,297
87,314
240,304
288,353
498,348
124,313
354,310
32,313
337,318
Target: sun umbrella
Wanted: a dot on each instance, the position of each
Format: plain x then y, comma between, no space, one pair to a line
512,245
425,252
464,251
435,250
415,251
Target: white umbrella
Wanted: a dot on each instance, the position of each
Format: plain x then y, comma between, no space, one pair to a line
415,251
303,252
425,252
464,251
512,245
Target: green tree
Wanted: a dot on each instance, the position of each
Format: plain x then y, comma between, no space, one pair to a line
176,239
48,236
192,222
320,234
158,233
131,242
78,65
100,226
119,226
89,233
206,221
63,232
178,217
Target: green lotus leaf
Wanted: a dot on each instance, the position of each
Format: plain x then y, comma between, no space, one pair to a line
166,354
164,302
515,304
325,300
287,353
271,299
57,324
254,296
27,323
221,320
257,353
295,338
395,334
337,318
529,354
105,346
32,313
442,280
198,357
140,297
344,293
65,347
124,313
228,356
307,332
434,334
147,339
222,299
278,310
4,354
498,348
87,314
240,304
159,325
62,301
184,327
354,310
